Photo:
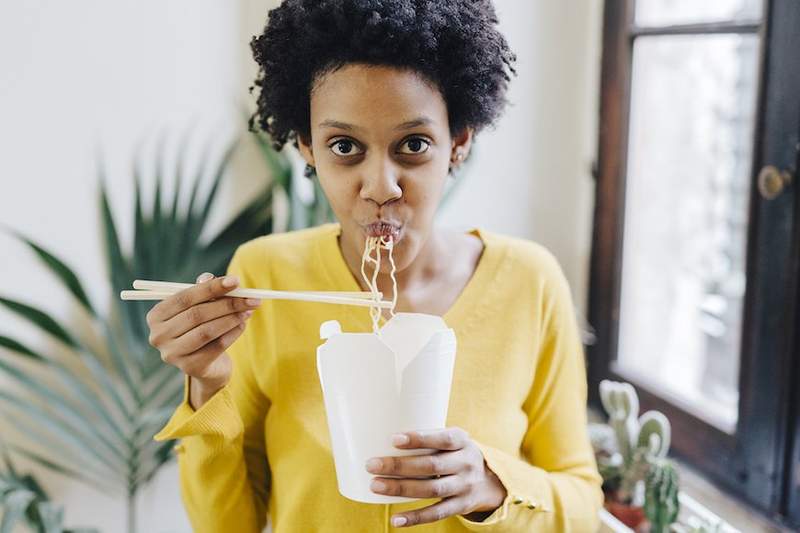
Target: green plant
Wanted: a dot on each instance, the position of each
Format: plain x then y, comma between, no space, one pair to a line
631,455
113,395
25,502
661,496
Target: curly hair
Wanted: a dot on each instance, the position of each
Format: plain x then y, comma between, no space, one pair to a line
454,44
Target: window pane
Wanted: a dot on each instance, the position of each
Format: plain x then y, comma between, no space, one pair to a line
668,12
684,250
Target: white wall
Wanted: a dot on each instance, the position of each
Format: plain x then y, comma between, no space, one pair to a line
75,75
530,176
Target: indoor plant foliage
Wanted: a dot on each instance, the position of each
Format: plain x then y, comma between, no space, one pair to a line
113,395
24,501
638,480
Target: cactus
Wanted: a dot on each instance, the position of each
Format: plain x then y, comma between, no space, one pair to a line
661,496
651,431
642,445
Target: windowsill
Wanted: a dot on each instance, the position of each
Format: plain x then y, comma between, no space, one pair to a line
737,513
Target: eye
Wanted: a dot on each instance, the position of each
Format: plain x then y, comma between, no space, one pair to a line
345,147
416,145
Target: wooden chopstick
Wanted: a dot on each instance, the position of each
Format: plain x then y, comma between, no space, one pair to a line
170,285
160,290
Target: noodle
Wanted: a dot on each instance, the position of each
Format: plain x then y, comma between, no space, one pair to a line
376,244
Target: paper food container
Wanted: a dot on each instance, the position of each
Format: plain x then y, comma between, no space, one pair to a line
375,386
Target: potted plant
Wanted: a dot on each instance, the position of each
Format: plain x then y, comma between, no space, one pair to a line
101,418
640,484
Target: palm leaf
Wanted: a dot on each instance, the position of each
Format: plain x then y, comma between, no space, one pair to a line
62,272
39,319
103,428
66,409
77,385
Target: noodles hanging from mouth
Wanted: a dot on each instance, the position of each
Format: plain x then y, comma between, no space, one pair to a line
376,244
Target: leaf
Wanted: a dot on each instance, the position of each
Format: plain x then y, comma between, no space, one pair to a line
51,516
66,434
89,359
81,391
123,367
212,194
175,224
15,346
158,381
142,261
62,272
15,505
67,376
117,266
63,405
120,274
189,239
55,465
253,220
278,164
41,320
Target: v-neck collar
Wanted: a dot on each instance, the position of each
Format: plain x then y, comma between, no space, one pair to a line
468,301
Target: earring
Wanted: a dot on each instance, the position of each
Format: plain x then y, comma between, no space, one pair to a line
309,171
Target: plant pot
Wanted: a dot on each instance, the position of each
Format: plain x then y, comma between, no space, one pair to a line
631,515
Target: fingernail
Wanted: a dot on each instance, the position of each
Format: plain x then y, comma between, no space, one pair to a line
248,314
398,521
374,465
230,281
378,486
205,276
399,439
253,301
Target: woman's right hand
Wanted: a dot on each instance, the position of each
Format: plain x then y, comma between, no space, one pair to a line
193,328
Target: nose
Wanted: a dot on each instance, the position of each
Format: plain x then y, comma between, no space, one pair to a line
380,181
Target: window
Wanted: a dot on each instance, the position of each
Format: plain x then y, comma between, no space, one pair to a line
695,256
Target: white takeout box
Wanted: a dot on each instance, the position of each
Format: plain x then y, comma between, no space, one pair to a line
375,386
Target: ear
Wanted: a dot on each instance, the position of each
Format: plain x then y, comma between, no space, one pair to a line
306,150
461,143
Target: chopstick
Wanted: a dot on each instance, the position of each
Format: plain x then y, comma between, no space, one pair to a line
159,290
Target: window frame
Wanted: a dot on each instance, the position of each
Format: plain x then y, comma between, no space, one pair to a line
750,463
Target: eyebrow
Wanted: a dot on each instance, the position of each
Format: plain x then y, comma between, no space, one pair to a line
419,121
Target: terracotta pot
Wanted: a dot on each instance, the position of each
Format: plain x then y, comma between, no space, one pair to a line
631,515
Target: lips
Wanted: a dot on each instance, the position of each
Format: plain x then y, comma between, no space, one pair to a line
383,229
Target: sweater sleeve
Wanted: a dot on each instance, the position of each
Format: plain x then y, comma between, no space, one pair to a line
223,469
552,482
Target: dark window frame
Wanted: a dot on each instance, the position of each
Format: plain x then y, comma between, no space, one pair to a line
749,464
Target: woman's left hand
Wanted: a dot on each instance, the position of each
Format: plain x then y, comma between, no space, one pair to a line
456,473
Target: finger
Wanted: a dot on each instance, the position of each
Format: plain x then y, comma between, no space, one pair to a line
199,293
203,334
453,438
419,488
433,513
437,464
206,312
205,276
201,364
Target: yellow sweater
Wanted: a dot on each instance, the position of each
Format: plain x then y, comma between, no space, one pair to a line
261,444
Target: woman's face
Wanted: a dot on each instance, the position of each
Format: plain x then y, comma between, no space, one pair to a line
381,145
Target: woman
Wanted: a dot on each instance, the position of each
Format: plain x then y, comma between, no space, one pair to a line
383,99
